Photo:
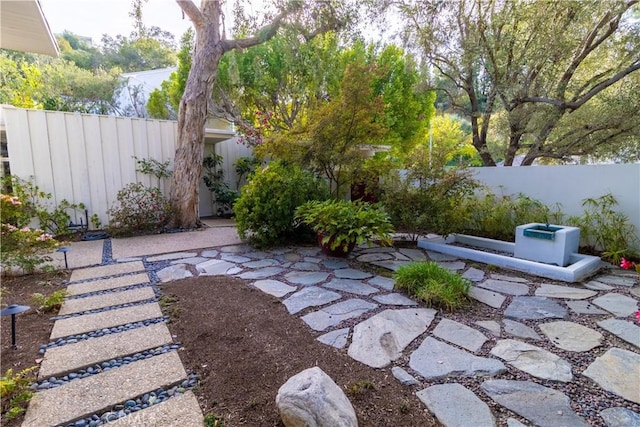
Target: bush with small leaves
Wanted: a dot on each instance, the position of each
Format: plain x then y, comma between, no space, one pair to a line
139,210
15,391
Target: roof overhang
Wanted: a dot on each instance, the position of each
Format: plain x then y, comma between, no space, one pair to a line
23,27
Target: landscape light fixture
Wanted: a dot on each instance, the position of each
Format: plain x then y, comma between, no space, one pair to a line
12,310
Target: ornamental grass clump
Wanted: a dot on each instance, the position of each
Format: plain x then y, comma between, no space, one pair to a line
435,285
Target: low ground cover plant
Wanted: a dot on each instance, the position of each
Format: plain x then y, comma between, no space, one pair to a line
48,303
15,391
433,284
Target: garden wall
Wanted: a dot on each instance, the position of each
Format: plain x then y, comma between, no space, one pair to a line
569,185
87,158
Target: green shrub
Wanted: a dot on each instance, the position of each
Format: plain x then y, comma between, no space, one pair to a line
48,303
139,210
265,209
15,391
435,285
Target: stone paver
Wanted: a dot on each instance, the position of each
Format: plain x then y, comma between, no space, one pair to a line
394,299
533,360
390,265
541,405
106,319
584,307
509,278
374,257
594,285
311,296
106,270
274,287
172,256
78,305
571,336
306,266
334,264
620,417
505,287
191,261
237,259
84,353
261,263
455,406
435,360
618,304
385,283
624,330
306,278
452,265
519,330
179,411
174,272
618,280
617,371
261,273
459,334
351,273
490,325
534,308
413,254
106,284
337,338
566,292
98,392
336,313
403,376
210,253
474,274
351,286
437,256
215,267
492,299
381,339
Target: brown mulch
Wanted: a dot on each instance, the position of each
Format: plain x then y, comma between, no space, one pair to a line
243,345
32,328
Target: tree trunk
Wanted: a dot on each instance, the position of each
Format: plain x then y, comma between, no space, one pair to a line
192,117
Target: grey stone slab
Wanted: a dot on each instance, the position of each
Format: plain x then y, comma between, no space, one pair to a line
314,260
190,261
413,254
403,376
542,406
394,299
505,287
78,305
215,267
490,325
376,249
174,272
105,319
452,265
617,371
437,256
351,273
60,405
172,256
306,266
306,278
72,357
337,338
614,280
534,308
351,286
257,255
635,291
385,283
459,334
261,263
594,285
565,292
624,330
274,287
337,313
474,274
584,307
212,253
520,330
106,284
261,273
106,270
533,360
509,278
180,411
512,422
238,259
390,265
456,406
334,264
235,249
435,360
618,304
620,417
571,336
381,339
291,257
309,251
311,296
492,299
375,257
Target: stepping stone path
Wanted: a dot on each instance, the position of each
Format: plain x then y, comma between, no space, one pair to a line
360,314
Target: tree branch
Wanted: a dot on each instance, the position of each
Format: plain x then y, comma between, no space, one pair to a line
192,11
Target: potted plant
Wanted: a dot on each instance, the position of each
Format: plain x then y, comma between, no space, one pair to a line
342,224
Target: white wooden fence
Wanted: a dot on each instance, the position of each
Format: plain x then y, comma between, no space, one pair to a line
85,158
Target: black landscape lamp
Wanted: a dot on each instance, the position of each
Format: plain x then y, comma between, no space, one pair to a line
12,310
64,250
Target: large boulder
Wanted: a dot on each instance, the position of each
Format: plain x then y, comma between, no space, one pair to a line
312,399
